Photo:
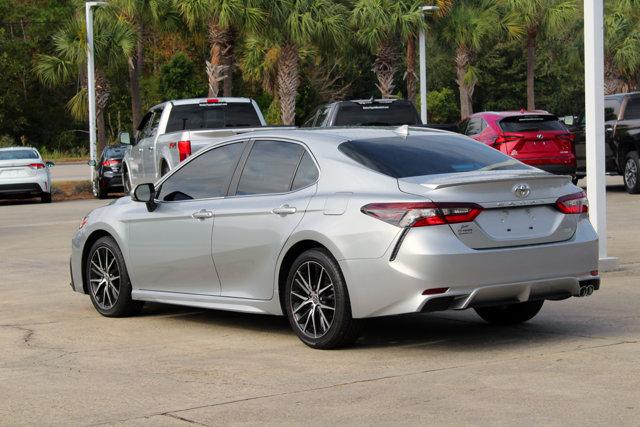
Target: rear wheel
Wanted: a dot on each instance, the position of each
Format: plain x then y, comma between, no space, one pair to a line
632,173
510,314
317,302
45,197
108,281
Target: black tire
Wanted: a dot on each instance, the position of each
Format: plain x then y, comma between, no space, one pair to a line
343,330
126,183
164,169
631,173
99,193
575,180
45,197
510,314
123,305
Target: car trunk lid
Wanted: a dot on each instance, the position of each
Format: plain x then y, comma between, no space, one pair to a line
507,219
17,168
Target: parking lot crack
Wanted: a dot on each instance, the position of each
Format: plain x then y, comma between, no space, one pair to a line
177,417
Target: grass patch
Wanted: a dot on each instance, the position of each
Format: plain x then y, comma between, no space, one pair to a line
71,190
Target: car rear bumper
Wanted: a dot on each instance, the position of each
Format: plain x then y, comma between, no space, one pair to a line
433,257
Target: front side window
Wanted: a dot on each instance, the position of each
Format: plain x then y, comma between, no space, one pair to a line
270,168
206,176
611,109
421,155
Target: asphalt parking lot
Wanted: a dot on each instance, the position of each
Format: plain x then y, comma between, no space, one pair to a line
577,363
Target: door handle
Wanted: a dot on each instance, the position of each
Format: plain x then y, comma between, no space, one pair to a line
284,210
150,148
140,150
202,214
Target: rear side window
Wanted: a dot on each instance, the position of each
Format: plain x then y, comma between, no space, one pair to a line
206,176
475,126
270,168
632,110
18,155
306,174
420,155
611,109
530,123
212,116
377,114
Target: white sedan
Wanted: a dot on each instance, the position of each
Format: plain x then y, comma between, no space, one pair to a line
23,172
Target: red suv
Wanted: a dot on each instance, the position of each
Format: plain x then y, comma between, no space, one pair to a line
536,138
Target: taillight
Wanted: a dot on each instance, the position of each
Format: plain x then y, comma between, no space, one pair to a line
37,166
502,139
184,149
566,142
573,203
111,162
419,214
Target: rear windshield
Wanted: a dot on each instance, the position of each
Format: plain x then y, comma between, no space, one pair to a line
212,116
114,152
426,155
530,123
377,114
18,155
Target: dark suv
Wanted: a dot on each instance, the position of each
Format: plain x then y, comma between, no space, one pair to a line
622,138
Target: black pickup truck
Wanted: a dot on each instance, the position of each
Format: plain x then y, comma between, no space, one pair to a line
622,138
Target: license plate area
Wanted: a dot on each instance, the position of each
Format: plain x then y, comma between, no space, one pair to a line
518,223
13,173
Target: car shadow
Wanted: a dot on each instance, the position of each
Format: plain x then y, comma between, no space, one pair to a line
457,331
20,201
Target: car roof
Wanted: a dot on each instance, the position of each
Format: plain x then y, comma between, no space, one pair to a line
18,148
198,101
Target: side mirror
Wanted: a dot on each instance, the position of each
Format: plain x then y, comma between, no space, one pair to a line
145,193
92,163
50,164
568,120
124,138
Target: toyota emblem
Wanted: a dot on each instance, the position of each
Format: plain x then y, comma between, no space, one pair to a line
521,191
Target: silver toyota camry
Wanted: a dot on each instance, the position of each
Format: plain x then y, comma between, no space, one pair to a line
332,226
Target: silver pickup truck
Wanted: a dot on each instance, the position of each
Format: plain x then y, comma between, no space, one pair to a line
172,131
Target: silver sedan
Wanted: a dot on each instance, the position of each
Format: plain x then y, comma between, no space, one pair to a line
332,226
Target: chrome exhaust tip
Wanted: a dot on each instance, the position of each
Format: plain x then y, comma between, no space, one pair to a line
589,290
583,291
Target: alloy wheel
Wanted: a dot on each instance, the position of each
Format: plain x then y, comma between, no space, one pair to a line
313,299
104,278
631,173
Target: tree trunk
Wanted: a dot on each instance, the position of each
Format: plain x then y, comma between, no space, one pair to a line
288,81
229,60
216,68
465,87
384,67
531,69
103,92
411,75
134,88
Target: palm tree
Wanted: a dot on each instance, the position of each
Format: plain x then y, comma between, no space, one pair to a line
113,42
469,25
139,15
444,6
381,24
622,45
538,18
223,19
294,26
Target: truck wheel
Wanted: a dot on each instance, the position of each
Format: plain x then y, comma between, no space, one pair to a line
632,173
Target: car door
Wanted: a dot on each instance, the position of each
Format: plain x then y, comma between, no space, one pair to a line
147,145
170,248
271,191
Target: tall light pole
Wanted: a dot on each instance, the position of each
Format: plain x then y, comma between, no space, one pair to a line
423,65
594,109
91,81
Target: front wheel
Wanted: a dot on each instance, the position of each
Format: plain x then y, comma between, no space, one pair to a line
632,173
510,314
317,302
108,281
